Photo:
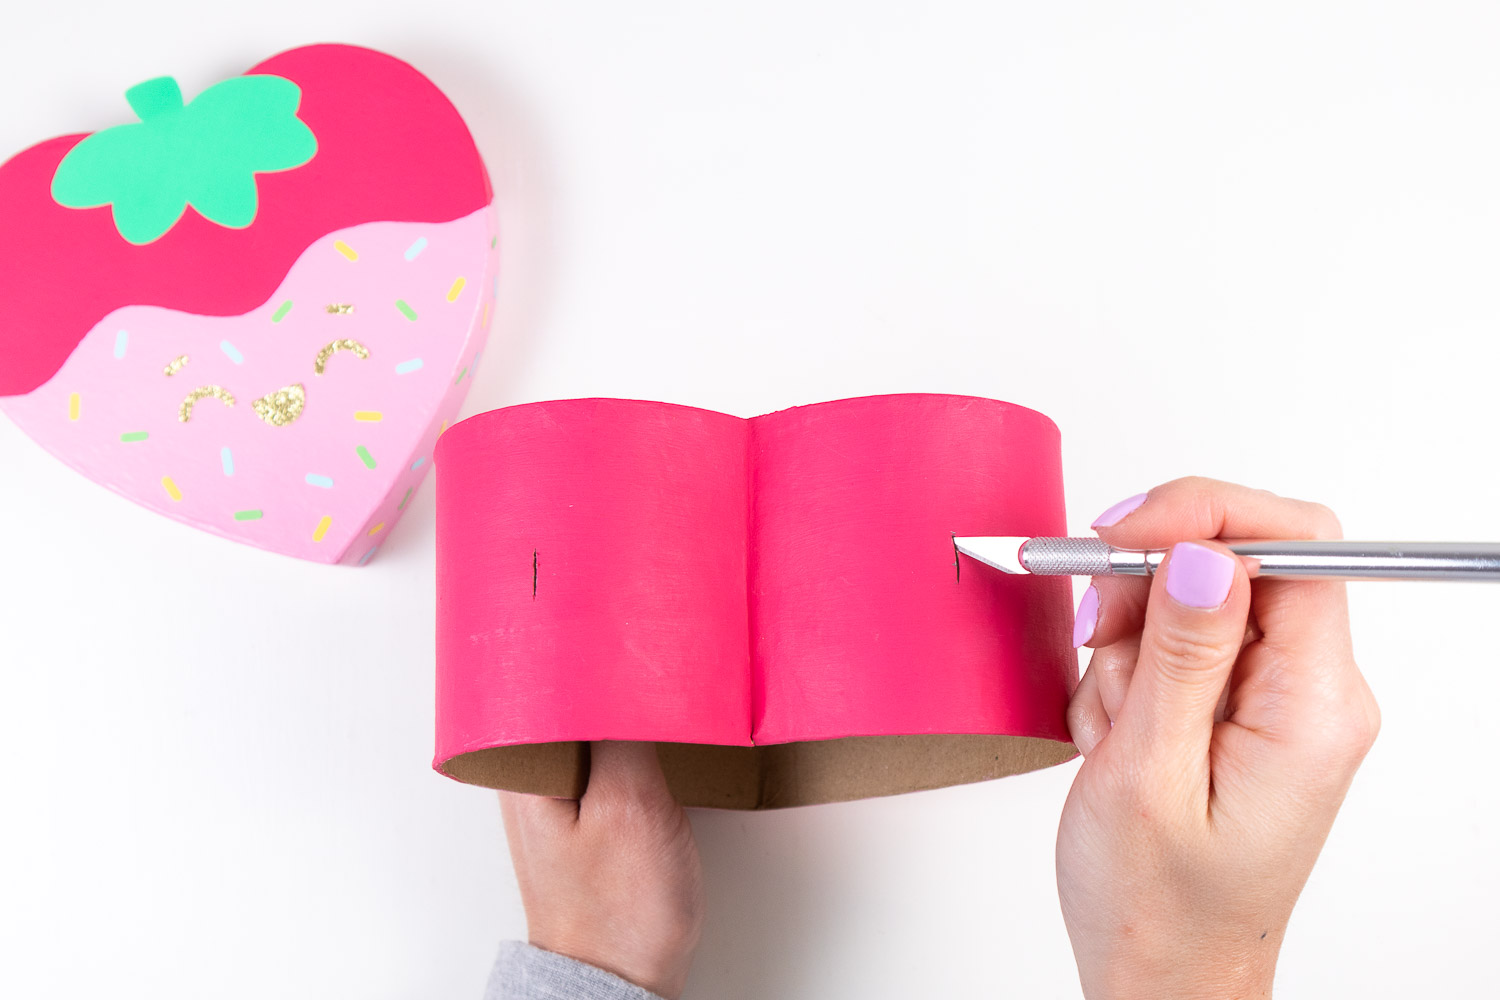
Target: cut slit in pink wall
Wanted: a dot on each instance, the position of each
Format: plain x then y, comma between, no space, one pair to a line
776,601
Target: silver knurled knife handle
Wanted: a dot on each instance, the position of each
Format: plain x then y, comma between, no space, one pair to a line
1339,560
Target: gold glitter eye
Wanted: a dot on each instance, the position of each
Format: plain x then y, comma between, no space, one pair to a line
339,345
175,365
282,406
185,411
340,309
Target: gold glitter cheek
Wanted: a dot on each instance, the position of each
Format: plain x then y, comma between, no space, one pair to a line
340,309
282,406
175,365
185,411
321,361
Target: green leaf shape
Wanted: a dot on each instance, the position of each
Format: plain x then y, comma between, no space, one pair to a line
205,154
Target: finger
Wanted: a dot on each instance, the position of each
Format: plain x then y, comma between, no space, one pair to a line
1087,721
1306,617
1113,667
1195,624
521,812
1207,508
531,823
1112,608
624,771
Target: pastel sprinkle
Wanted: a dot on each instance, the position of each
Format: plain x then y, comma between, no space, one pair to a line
376,530
365,456
313,479
231,352
346,250
443,428
74,404
369,416
456,290
484,320
135,436
406,310
281,311
492,241
122,340
461,375
248,515
367,556
322,528
171,488
416,248
418,463
226,459
402,504
407,367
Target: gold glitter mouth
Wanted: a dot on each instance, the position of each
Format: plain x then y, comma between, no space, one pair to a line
175,365
185,411
282,406
327,352
340,309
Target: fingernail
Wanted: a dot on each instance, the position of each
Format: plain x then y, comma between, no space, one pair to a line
1117,513
1199,577
1086,618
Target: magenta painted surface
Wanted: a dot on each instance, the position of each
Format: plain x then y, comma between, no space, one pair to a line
704,578
636,627
390,148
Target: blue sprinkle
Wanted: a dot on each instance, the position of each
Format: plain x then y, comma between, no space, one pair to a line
231,351
406,367
366,557
418,463
226,459
416,248
313,479
121,340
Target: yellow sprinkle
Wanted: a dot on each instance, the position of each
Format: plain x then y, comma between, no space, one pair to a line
345,249
377,527
73,403
456,290
171,488
484,320
369,416
322,528
442,428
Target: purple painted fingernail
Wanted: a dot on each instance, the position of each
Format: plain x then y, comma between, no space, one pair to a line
1117,513
1199,577
1087,617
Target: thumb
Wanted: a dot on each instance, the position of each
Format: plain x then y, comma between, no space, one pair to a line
1195,626
624,771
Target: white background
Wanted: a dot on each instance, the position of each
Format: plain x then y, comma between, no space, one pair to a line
1259,245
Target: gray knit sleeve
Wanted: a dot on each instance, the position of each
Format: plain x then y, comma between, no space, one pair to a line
523,972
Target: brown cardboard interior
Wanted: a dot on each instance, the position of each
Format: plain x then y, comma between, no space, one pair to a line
774,777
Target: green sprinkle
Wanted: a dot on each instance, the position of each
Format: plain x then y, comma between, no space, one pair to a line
135,436
281,311
247,515
492,242
402,504
406,310
461,375
365,456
